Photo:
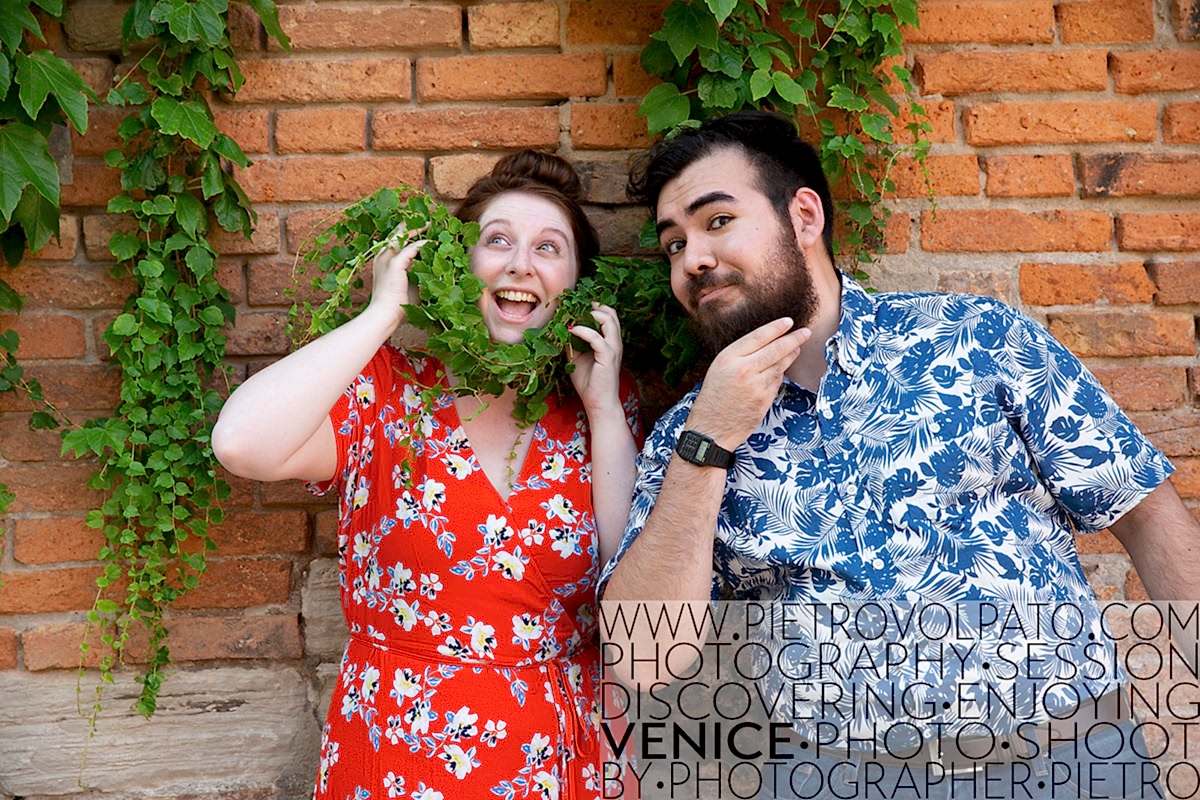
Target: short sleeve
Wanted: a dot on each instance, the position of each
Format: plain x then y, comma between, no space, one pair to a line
1092,458
631,405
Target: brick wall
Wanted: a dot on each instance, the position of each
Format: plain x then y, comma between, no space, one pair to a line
1066,165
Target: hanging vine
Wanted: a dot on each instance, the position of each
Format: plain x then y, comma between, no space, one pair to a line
38,90
157,466
720,56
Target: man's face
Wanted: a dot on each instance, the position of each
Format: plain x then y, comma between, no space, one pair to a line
735,265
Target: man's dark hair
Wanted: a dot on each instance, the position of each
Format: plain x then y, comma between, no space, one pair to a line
782,160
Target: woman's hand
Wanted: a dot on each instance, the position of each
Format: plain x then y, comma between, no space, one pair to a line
597,374
391,288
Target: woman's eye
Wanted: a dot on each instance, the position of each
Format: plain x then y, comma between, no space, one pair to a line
549,247
496,238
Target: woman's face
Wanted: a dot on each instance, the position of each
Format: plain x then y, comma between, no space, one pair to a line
526,259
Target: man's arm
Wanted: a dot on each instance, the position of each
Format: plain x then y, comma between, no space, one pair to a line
1163,540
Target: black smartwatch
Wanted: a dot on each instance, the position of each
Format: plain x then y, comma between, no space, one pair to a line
702,451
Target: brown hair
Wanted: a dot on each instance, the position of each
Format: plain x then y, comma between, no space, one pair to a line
544,175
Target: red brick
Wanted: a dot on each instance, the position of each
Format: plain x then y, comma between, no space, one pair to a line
1140,174
229,275
1106,21
1194,383
338,26
293,80
1178,282
607,126
70,387
302,226
1186,479
101,134
504,77
258,333
94,26
512,25
1156,71
1176,431
57,646
989,124
261,533
629,79
245,29
8,648
1099,542
67,286
1075,284
264,239
1181,123
983,22
291,493
940,114
98,230
250,128
464,128
1117,333
47,590
896,234
1009,230
321,130
1185,16
93,184
1144,388
452,176
1179,231
613,22
50,488
54,540
97,73
241,637
1029,175
326,525
240,584
970,72
969,281
47,335
18,442
948,175
324,179
60,248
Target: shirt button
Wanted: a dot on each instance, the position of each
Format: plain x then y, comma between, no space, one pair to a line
934,427
827,412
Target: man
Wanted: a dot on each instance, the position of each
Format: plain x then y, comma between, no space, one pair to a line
845,447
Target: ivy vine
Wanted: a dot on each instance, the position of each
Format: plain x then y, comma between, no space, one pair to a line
38,90
720,56
157,465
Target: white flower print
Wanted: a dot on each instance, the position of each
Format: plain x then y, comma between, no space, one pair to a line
426,426
547,784
401,578
559,507
453,647
566,541
531,534
373,574
483,638
591,777
430,793
430,585
460,467
393,731
350,704
407,508
456,439
411,400
394,784
370,683
461,724
362,545
406,683
433,494
400,477
547,649
511,566
537,751
361,494
554,467
496,530
459,763
493,732
577,447
526,628
575,677
418,716
365,393
405,614
586,616
437,623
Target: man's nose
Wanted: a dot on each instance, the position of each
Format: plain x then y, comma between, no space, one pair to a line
697,259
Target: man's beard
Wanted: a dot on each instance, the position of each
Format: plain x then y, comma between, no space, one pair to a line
786,290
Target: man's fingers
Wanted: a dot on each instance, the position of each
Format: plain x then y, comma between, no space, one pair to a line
783,350
759,337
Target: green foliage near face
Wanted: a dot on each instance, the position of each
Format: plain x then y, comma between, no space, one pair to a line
720,56
157,468
653,325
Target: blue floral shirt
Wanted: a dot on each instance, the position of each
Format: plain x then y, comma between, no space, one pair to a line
951,452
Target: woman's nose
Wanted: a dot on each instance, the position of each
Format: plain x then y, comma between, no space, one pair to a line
521,262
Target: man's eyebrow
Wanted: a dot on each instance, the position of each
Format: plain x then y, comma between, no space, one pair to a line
694,206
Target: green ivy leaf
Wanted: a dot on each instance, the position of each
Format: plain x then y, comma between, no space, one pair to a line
761,84
9,301
788,89
687,26
52,7
268,12
877,127
5,76
38,216
664,107
190,213
24,160
194,20
124,325
228,148
721,9
41,74
657,58
15,18
12,245
726,59
189,119
906,12
717,91
212,180
841,97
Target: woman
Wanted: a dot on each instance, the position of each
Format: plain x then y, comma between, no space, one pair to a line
472,669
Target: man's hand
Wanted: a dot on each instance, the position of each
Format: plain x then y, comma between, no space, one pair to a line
743,380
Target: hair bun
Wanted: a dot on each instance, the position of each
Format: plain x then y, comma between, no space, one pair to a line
545,168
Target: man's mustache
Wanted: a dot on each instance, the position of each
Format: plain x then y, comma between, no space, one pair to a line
708,280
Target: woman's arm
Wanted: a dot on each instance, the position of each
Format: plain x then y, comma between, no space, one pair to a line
276,424
597,378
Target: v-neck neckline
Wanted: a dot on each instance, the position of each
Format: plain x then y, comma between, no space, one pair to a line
518,477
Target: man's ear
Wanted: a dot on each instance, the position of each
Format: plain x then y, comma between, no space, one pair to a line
808,218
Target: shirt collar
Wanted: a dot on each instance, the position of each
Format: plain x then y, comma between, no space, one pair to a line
854,340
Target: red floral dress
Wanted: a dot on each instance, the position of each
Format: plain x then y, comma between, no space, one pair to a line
472,669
